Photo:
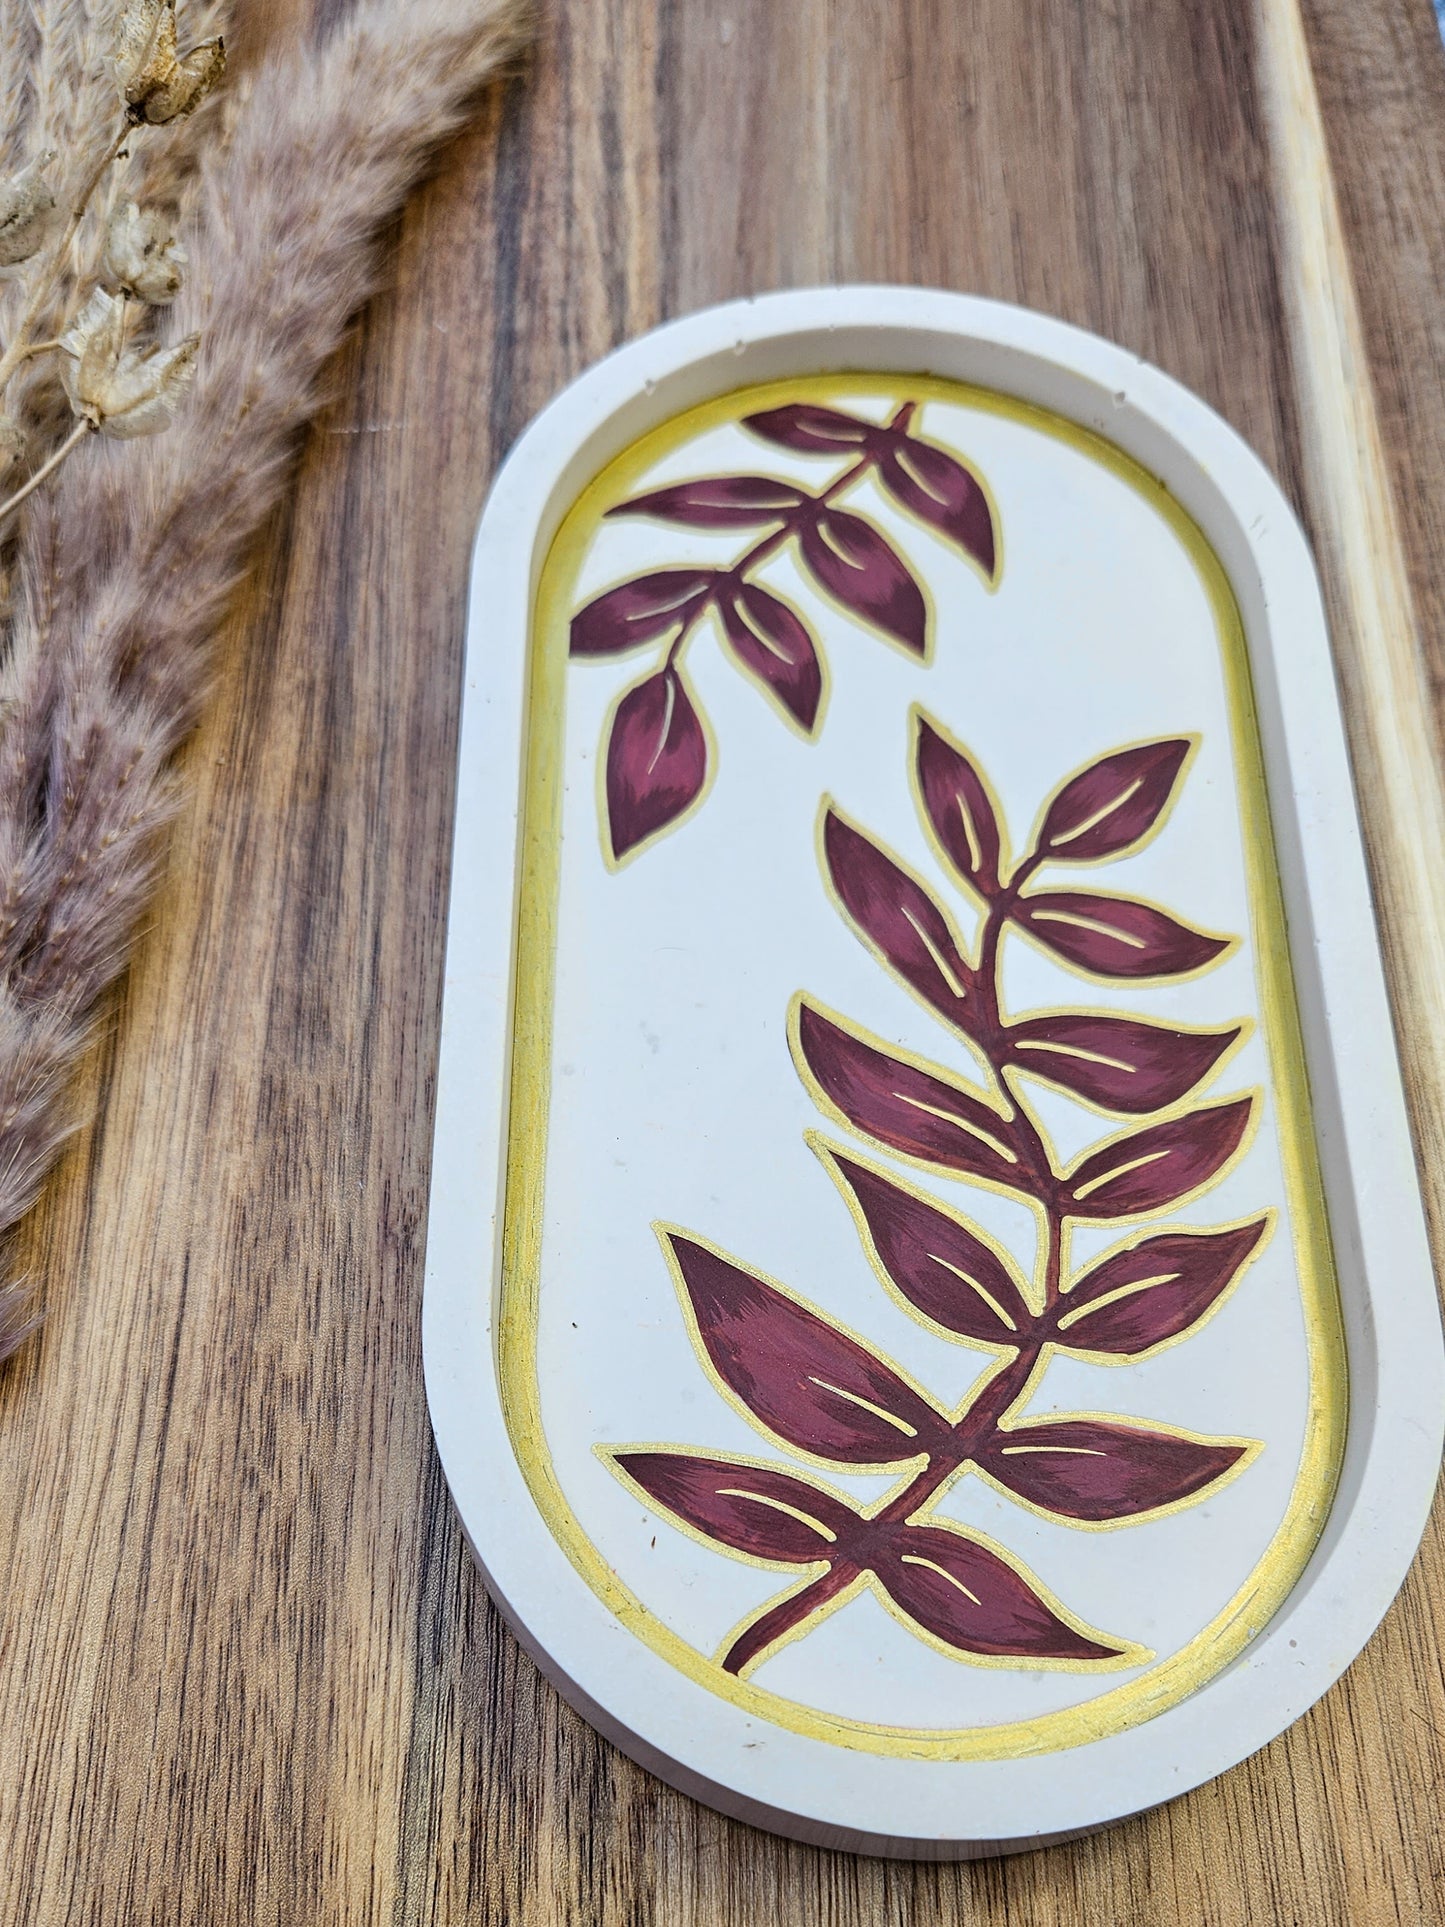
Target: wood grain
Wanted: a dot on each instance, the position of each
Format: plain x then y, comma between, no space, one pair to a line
247,1672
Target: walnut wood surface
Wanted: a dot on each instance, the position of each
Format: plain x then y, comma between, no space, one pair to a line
247,1671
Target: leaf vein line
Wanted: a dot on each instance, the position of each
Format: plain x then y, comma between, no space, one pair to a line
779,1505
1108,809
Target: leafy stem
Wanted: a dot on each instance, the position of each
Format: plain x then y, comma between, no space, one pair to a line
792,522
1002,1391
656,749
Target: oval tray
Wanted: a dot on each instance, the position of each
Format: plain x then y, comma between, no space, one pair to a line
928,1319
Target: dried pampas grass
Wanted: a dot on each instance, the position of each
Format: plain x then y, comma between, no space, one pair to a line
124,563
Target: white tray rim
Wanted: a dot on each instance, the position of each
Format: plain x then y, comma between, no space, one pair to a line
790,1783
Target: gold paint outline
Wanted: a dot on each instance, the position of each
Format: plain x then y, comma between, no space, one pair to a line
1245,1027
1018,927
1271,1224
828,1152
1141,842
1008,862
599,775
662,1230
714,621
1274,1576
1250,1450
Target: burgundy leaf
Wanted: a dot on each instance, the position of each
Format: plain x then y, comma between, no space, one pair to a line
1156,1167
811,430
639,611
1136,1299
899,918
938,1262
958,807
1119,1063
1114,936
804,1379
1106,809
917,1112
939,490
1095,1470
771,643
717,502
966,1596
748,1508
853,562
656,760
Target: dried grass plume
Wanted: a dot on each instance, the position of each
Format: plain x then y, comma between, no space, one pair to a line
124,563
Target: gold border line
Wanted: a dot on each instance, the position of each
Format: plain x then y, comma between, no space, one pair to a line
1264,1591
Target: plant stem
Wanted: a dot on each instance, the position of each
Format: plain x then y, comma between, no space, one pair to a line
775,539
80,430
45,279
1006,1386
794,1610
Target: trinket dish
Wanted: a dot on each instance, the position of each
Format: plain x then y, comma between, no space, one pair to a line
928,1321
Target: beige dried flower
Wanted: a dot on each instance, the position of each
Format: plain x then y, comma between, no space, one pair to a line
124,392
13,444
153,83
27,212
142,254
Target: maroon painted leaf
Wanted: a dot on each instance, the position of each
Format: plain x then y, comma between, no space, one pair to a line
1156,1167
770,641
958,807
972,1600
1119,1063
917,1112
1096,1470
656,760
938,1262
939,490
748,1508
639,611
717,502
1136,1299
1114,936
853,562
899,918
811,1384
811,430
1107,808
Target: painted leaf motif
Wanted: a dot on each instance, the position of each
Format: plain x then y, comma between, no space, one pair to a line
811,430
939,490
959,809
966,1596
801,1377
852,561
1155,1290
1115,936
771,642
648,607
1119,1063
717,502
1156,1167
1108,807
899,918
938,1262
1096,1470
748,1508
656,760
921,1114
